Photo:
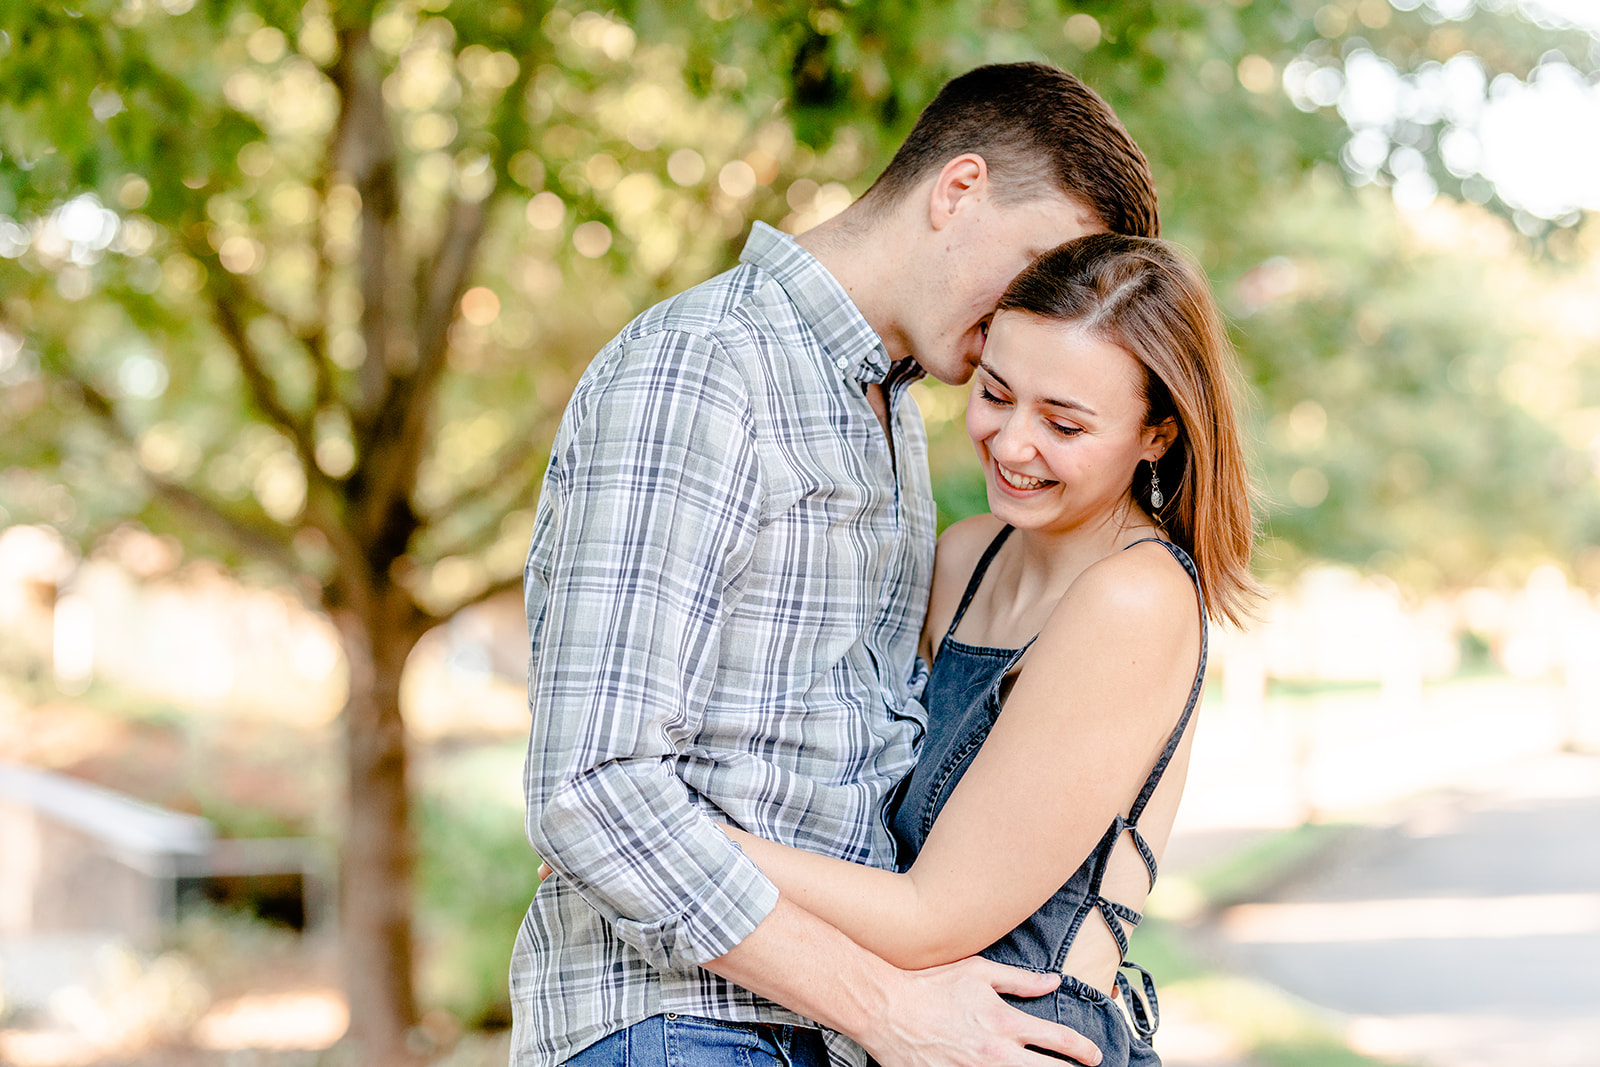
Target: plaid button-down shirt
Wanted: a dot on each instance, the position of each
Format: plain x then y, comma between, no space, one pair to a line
728,573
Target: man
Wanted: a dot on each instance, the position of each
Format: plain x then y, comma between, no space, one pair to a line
729,569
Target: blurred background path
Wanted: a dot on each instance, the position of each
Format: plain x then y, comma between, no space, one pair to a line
1458,925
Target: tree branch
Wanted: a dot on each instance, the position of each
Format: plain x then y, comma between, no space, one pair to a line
398,431
257,542
508,464
363,147
226,296
316,343
471,543
441,283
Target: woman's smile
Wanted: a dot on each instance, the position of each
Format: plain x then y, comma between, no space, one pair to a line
1021,482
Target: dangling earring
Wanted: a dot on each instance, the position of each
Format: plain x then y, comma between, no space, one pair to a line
1156,498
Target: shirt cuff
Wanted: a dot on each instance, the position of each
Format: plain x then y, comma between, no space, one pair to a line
727,909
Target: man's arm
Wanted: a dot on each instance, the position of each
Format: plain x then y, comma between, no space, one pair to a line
945,1016
939,1016
650,513
656,500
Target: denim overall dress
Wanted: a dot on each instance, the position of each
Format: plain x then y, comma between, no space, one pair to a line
963,700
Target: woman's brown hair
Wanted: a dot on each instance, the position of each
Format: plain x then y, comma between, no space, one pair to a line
1149,299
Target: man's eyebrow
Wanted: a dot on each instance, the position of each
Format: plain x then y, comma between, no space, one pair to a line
1070,405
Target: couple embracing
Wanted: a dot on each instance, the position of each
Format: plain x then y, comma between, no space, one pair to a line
811,791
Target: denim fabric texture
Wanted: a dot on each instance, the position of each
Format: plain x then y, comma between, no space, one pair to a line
689,1041
963,701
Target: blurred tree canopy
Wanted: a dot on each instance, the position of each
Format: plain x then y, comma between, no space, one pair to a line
307,284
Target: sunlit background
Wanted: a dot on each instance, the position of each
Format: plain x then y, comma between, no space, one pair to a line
292,296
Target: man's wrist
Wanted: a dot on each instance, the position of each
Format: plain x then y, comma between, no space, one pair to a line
863,990
848,993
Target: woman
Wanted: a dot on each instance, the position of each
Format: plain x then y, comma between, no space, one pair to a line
1067,636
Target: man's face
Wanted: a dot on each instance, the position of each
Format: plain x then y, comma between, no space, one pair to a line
983,250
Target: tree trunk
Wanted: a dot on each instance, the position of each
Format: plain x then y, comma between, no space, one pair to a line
378,861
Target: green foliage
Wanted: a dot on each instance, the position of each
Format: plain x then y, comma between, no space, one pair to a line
1252,872
476,875
1388,439
216,139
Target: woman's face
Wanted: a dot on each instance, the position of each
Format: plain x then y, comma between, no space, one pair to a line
1057,417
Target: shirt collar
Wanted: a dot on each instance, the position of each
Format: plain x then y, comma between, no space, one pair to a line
848,342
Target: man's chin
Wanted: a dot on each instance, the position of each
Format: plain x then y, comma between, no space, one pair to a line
962,372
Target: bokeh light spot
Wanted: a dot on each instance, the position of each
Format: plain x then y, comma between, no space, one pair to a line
1082,31
685,166
546,211
592,239
480,306
1308,487
737,179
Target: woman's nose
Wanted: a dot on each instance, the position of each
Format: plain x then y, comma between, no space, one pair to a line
1011,442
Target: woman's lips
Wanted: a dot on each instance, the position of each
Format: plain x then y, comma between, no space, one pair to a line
1022,483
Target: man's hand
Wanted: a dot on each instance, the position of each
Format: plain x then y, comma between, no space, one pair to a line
950,1016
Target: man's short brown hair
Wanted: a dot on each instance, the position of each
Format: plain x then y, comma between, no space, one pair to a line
1039,129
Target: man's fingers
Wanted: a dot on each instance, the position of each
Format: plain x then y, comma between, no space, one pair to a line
1016,981
1034,1031
545,871
1058,1038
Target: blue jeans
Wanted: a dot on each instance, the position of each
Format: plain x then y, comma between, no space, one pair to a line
688,1041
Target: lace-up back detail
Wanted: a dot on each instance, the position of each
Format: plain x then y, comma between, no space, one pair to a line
963,701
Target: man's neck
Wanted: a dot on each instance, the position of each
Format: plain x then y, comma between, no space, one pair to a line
869,261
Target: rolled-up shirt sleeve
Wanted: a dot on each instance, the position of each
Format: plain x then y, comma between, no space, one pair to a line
645,526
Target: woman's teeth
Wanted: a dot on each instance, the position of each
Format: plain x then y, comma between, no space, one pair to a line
1020,481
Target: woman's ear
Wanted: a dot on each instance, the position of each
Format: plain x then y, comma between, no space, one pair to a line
1159,438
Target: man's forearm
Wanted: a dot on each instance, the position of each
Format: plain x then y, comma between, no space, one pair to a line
795,959
947,1016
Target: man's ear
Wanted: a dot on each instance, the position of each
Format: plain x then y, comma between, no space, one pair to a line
964,177
1160,437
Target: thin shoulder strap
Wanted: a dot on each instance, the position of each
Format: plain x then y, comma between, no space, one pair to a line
977,576
1167,753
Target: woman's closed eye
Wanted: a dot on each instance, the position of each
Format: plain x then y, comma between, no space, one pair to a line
1066,430
983,392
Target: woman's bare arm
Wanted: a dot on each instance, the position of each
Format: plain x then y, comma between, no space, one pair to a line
1105,684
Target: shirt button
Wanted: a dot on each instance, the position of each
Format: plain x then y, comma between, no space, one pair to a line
842,362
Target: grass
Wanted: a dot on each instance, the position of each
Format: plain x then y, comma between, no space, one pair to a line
1253,870
1274,1028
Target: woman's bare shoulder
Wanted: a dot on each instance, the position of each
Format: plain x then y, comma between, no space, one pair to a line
963,542
1140,593
959,548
